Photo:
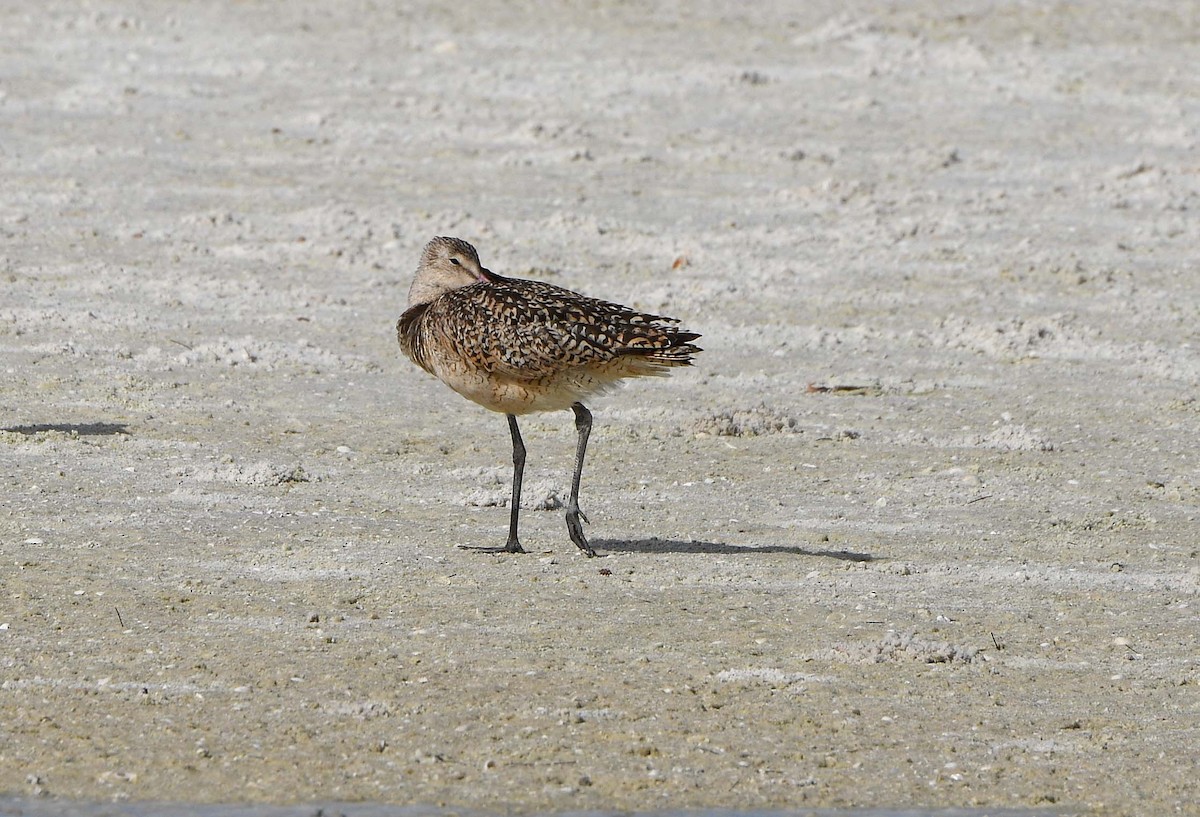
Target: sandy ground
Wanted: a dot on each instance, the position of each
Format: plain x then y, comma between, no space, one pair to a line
919,529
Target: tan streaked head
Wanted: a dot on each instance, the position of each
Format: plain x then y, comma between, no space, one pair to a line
446,264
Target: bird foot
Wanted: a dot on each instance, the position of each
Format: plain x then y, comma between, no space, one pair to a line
576,531
512,546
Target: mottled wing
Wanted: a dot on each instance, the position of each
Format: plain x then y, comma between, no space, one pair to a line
532,330
411,338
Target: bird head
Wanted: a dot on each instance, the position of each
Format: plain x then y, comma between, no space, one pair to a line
446,264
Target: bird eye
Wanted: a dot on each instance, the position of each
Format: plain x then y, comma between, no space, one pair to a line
456,262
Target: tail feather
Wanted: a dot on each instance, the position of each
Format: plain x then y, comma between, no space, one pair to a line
665,348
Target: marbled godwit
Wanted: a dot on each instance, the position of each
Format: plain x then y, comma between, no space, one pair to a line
517,346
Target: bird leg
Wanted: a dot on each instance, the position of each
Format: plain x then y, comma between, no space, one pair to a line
583,425
513,545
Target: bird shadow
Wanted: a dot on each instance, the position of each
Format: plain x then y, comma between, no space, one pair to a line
81,429
655,545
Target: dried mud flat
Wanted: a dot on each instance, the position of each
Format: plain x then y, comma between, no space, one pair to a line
920,529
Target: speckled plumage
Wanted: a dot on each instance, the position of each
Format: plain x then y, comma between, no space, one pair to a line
518,346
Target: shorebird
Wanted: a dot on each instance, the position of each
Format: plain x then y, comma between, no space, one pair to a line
518,346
